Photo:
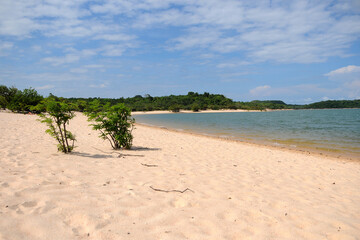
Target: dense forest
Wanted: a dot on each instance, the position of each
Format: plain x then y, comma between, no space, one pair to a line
27,100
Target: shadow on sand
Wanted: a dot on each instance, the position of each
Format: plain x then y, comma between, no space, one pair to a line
91,155
119,153
137,148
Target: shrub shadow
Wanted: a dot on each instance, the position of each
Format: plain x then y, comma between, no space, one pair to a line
130,155
91,155
137,148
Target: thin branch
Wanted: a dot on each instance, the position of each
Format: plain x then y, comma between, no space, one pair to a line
148,165
53,128
107,138
62,135
116,143
66,140
167,191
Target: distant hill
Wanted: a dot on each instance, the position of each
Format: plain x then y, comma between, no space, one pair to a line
270,101
335,104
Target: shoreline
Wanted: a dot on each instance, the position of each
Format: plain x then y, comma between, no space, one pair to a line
305,151
269,144
299,146
227,111
205,111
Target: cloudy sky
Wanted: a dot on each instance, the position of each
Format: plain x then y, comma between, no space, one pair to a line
296,51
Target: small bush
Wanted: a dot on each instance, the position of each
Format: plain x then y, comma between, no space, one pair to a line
175,108
8,93
195,107
214,107
22,101
57,117
3,102
80,105
114,123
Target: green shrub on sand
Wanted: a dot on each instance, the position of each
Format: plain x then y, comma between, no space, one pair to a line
114,123
57,116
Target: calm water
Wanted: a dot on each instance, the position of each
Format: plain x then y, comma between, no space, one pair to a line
335,131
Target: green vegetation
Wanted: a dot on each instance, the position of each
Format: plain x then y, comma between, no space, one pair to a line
3,102
112,117
114,123
171,103
57,117
175,108
17,100
195,107
335,104
26,100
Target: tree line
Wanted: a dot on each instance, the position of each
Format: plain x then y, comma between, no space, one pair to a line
27,100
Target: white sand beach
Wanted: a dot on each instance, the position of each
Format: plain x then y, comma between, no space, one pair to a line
171,185
208,111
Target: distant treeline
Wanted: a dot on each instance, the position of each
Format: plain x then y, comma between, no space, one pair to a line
26,100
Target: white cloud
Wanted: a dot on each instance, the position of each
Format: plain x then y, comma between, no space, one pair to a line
103,85
344,70
207,56
353,88
284,31
73,55
36,48
94,66
45,87
349,79
198,37
115,50
354,84
232,64
115,37
300,31
89,52
66,18
5,47
261,91
316,92
50,77
78,70
56,61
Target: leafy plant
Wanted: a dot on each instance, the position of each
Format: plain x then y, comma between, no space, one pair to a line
3,102
114,123
175,108
22,101
195,107
8,93
57,117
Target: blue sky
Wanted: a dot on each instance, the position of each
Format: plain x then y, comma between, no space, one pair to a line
296,51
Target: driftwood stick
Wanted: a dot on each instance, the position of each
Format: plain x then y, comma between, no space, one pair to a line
167,191
148,165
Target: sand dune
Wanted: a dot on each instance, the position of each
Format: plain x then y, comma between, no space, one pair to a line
230,190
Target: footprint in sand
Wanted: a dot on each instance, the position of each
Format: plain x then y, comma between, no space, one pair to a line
80,223
48,207
29,204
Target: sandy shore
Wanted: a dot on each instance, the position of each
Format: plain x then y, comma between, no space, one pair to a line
207,111
216,189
